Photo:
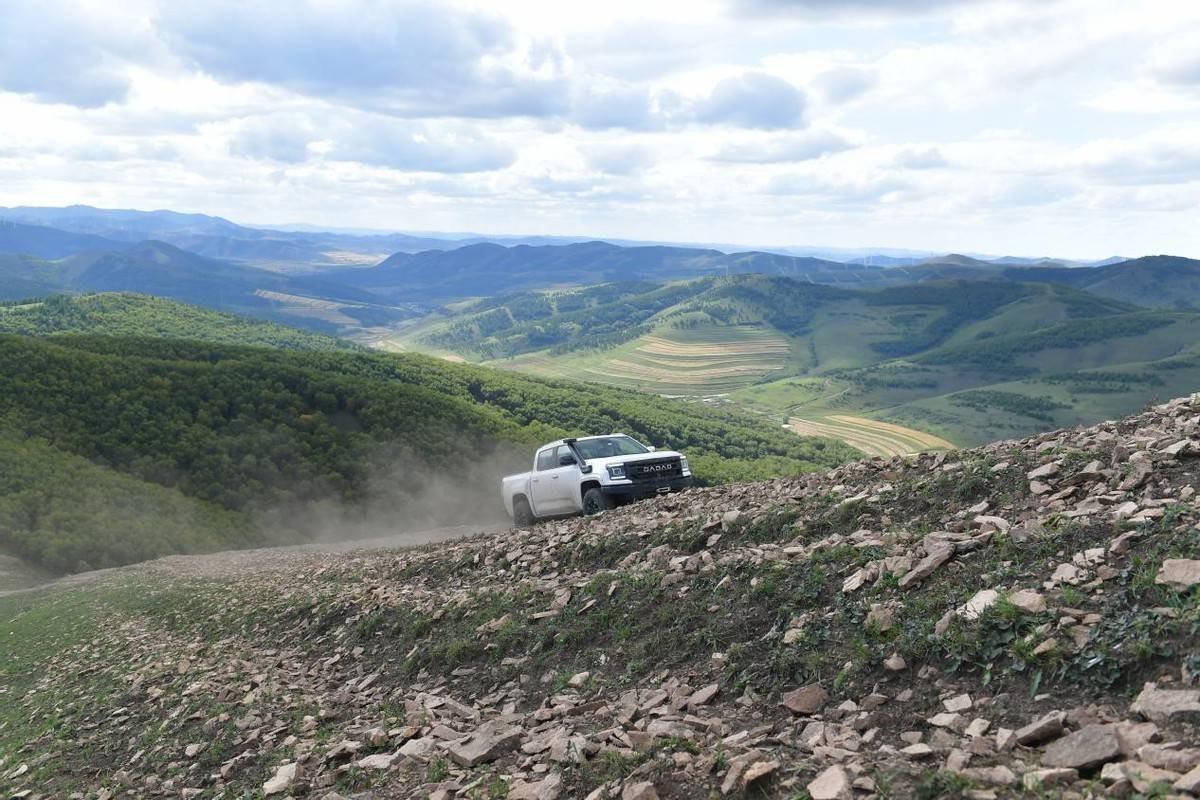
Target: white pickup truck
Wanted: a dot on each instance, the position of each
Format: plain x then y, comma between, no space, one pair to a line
591,474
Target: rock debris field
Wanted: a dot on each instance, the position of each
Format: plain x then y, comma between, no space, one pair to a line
1017,620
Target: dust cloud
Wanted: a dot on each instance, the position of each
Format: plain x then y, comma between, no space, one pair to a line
405,494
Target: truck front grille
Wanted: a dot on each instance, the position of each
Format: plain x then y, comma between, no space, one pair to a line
654,470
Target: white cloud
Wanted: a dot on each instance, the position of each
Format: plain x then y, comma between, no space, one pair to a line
417,57
1177,62
1170,156
283,138
920,123
620,158
370,139
775,149
613,104
754,100
67,52
917,157
843,84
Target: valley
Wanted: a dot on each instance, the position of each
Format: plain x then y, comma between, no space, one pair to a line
956,348
960,361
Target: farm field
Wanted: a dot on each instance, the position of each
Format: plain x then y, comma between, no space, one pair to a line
702,362
871,436
309,308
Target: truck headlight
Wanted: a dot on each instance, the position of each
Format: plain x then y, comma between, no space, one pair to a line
683,467
616,471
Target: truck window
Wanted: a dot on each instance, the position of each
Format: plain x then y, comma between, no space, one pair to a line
562,450
608,446
545,459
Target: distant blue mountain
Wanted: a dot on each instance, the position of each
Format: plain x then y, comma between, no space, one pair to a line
43,242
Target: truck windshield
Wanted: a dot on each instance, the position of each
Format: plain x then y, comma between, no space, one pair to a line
607,446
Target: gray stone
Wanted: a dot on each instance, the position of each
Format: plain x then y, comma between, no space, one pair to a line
1179,573
284,777
487,743
993,776
1028,601
1146,778
1044,778
806,700
1170,756
938,555
832,784
1084,749
980,602
1190,782
418,748
643,790
378,761
1160,705
1040,730
704,695
1044,471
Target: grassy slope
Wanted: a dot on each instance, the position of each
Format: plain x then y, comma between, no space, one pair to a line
187,656
687,362
1032,348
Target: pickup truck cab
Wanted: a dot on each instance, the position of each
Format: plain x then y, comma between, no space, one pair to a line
591,474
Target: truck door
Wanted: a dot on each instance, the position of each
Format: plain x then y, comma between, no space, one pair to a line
564,481
541,485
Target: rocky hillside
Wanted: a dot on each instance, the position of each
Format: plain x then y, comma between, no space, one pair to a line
1018,620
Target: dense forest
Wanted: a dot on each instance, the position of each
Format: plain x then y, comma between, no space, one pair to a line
609,314
143,315
999,354
595,317
783,303
67,514
180,431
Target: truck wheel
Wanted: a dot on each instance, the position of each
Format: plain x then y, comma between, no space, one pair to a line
522,514
595,501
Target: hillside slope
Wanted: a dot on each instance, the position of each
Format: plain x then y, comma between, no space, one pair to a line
297,444
1013,621
1152,281
114,314
964,360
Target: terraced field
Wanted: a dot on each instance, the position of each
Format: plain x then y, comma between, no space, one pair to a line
873,437
700,362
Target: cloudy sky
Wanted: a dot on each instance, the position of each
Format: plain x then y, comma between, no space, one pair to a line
1065,127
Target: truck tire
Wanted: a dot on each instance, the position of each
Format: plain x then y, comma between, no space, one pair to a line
522,514
595,501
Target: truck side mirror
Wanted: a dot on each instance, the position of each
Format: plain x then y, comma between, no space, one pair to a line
652,448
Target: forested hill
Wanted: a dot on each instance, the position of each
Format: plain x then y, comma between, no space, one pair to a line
143,315
264,434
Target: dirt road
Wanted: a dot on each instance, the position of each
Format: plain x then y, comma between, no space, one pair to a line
243,561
